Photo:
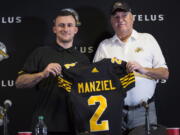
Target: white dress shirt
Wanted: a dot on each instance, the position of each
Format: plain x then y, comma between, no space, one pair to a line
142,48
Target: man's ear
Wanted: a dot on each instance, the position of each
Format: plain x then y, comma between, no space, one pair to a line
76,30
54,29
111,18
133,17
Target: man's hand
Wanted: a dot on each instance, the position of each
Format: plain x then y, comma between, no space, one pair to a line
134,66
155,73
52,68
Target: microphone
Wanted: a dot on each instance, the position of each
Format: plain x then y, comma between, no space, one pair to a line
7,104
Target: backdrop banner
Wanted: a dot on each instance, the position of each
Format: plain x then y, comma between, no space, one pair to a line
26,25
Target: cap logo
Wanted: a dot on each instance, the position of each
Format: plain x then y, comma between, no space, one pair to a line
117,4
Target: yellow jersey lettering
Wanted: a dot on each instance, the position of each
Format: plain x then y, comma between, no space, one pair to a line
102,84
111,85
92,86
80,88
95,86
106,85
95,123
98,86
86,87
115,60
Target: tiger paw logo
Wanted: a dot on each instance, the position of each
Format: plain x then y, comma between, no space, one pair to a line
137,50
3,50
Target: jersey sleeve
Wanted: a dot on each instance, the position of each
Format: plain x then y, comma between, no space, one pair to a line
126,79
65,81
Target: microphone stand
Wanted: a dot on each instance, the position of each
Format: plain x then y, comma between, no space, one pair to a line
147,123
5,120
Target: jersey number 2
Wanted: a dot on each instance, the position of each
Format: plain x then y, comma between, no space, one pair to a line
104,124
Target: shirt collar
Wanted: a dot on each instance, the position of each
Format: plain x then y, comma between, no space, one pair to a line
133,36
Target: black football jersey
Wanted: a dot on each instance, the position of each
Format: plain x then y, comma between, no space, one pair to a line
96,93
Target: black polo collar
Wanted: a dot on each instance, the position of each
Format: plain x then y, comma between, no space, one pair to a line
60,49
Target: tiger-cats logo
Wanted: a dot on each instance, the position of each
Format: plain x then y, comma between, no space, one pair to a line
3,52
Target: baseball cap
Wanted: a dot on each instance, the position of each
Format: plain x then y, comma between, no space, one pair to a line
73,13
120,6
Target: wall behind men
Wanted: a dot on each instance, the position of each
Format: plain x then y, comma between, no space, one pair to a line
25,25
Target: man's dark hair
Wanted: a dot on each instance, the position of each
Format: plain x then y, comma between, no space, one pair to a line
69,12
